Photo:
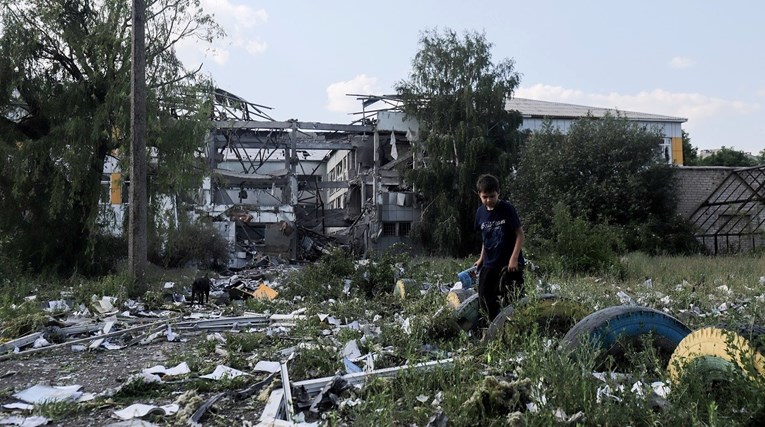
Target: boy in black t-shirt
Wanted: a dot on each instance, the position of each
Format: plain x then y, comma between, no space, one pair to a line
501,262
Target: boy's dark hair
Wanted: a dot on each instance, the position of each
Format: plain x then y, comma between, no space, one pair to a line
487,183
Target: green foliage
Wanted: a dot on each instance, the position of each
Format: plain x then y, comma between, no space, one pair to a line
606,171
690,153
57,410
321,280
577,246
728,157
457,94
65,108
190,242
378,275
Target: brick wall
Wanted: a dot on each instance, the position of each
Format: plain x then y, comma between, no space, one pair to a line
694,184
728,223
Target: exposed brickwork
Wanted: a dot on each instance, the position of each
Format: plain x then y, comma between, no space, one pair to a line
694,184
728,223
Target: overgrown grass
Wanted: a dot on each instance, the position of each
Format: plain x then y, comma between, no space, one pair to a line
525,378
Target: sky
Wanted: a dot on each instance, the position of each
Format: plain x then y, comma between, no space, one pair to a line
700,60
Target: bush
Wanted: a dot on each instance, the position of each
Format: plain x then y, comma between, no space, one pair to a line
195,242
321,280
579,247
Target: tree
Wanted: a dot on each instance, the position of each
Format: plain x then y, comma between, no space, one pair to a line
690,153
64,97
458,96
728,157
605,171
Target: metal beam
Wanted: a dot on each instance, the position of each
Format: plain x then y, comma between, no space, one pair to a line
261,124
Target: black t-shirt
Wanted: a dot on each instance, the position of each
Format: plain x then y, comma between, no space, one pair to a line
498,231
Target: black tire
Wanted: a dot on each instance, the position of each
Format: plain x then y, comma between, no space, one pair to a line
551,313
620,329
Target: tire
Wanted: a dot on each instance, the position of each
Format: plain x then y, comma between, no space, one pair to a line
456,297
619,329
406,287
551,313
714,350
467,314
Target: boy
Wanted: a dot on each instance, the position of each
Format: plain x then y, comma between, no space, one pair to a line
501,262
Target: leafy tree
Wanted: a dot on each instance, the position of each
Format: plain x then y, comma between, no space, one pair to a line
728,157
690,153
65,104
605,171
458,95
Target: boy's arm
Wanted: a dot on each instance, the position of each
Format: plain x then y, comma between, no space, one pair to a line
480,259
520,238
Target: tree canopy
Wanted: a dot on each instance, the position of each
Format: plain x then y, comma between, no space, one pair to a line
605,171
458,95
65,103
728,157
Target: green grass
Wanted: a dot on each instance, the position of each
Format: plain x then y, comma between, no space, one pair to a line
488,383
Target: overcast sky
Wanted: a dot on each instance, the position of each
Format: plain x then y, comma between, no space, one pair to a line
701,60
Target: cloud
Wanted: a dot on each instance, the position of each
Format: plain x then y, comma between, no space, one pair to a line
337,101
695,107
239,21
681,62
256,46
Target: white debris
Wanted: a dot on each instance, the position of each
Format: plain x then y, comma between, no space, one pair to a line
58,305
19,405
138,410
605,391
624,298
144,377
351,350
181,369
41,393
222,372
24,421
661,389
267,366
40,342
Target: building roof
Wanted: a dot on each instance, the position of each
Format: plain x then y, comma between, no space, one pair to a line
559,110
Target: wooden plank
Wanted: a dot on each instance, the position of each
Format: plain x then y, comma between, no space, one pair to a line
20,342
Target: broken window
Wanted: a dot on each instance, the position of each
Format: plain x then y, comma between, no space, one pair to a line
389,229
404,228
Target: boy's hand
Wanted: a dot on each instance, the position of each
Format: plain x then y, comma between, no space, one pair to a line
512,265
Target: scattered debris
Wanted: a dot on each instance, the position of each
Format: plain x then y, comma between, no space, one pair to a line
223,372
140,410
24,421
41,393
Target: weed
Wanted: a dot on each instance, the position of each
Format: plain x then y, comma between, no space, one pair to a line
57,410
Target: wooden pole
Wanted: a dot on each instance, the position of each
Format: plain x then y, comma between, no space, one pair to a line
137,246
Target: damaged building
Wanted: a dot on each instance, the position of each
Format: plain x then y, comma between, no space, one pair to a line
295,189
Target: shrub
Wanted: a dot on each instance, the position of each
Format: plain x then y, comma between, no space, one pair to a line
579,247
195,242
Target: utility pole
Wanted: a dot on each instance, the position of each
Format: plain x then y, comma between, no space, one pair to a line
137,247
